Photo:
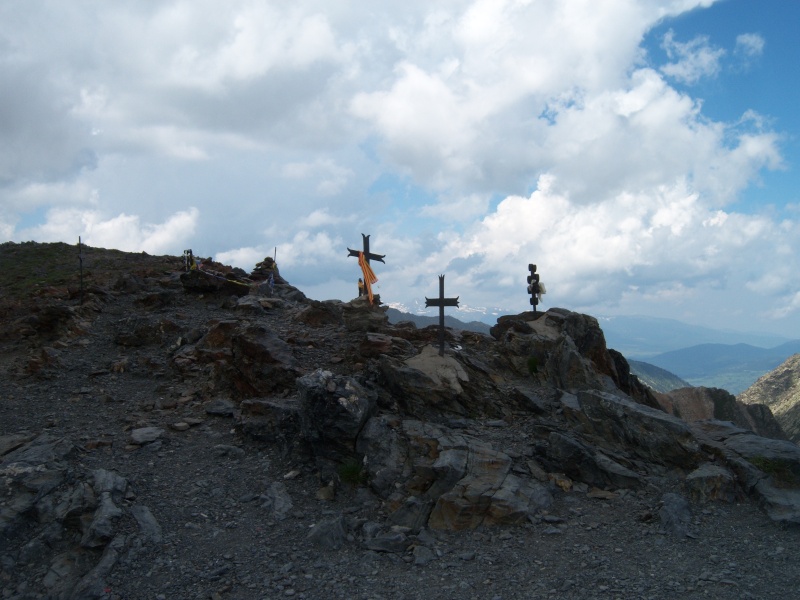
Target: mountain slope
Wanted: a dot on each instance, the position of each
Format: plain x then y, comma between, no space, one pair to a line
780,390
656,378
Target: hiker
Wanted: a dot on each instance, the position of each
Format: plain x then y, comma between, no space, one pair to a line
360,287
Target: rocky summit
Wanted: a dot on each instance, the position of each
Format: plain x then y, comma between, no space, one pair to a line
169,434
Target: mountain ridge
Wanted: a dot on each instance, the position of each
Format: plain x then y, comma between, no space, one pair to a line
199,434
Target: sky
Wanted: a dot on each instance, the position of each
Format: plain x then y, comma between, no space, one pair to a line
643,154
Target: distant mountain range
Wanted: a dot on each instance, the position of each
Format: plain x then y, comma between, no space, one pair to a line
640,338
396,316
733,367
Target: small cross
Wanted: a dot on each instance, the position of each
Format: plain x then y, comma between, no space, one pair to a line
441,302
367,254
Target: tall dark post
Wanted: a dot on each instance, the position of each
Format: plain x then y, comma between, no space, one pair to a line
533,286
441,302
188,259
80,262
367,254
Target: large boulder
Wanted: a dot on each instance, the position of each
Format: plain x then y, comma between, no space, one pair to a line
333,411
249,360
622,425
360,315
430,474
566,350
430,386
766,468
702,403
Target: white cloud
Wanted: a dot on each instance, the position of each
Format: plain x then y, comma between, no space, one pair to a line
462,208
322,218
301,125
330,177
664,242
36,194
244,258
749,45
123,232
693,60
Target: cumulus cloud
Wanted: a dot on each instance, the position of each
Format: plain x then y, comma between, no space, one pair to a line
471,135
661,244
123,232
692,60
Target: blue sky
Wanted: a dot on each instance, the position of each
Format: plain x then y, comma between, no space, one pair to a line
643,154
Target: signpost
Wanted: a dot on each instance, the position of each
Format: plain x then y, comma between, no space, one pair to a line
533,286
441,302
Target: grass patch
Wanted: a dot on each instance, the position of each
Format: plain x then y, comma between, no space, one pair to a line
780,471
533,365
352,472
29,266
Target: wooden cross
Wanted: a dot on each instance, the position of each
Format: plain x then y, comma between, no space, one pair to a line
441,302
367,254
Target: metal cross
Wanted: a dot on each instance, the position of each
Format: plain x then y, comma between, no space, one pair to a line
367,254
441,302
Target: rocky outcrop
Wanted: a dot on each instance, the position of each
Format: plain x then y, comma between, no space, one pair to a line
566,350
765,468
203,282
430,474
701,403
643,433
780,391
249,360
73,515
333,410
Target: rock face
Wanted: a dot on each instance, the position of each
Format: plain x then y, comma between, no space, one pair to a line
701,403
765,468
248,359
566,350
780,391
429,474
203,282
68,504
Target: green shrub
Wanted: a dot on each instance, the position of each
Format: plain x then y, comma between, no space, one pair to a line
352,472
533,365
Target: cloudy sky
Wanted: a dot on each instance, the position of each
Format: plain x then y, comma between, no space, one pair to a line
643,153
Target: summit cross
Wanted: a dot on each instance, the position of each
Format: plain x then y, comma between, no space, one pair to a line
367,254
441,302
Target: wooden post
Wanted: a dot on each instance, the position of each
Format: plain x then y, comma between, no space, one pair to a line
80,262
